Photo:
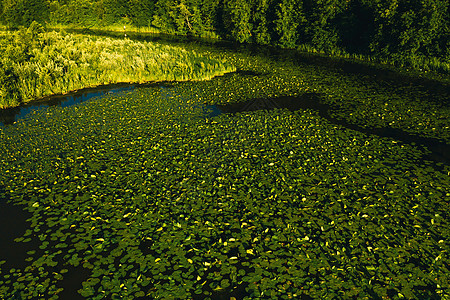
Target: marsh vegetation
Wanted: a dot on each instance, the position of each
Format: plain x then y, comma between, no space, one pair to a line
35,63
407,33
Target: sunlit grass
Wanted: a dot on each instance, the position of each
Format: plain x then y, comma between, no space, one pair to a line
52,63
113,27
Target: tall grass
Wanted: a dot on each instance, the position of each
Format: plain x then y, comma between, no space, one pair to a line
111,27
36,65
409,61
401,62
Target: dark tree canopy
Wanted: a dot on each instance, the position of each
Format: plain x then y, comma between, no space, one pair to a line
24,12
375,27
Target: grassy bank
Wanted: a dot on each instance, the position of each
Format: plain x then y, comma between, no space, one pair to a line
416,65
38,63
115,27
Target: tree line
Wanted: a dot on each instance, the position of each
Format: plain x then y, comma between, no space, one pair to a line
373,27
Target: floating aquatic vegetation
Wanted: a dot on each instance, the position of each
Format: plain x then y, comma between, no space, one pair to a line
361,99
153,198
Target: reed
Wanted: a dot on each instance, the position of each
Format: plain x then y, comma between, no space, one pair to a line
37,65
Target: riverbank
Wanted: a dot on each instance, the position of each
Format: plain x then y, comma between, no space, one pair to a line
427,68
38,63
416,64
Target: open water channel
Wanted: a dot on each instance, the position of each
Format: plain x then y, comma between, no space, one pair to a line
436,149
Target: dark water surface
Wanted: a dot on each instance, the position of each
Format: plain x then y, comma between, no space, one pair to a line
10,115
438,150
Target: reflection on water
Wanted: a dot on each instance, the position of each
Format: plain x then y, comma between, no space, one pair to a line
305,101
439,151
10,115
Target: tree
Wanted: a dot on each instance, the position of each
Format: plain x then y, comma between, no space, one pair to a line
209,11
24,12
141,12
261,22
407,26
182,17
239,13
116,11
179,16
289,18
321,26
356,26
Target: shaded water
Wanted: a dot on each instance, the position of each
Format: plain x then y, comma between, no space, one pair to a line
15,216
10,115
12,216
438,151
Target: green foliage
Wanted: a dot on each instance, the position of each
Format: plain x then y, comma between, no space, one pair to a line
9,93
176,17
141,12
163,18
185,17
239,12
321,30
81,13
261,22
411,27
355,26
38,64
394,31
397,31
116,11
24,12
289,18
209,10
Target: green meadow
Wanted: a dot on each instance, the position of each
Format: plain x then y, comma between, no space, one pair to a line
144,194
36,63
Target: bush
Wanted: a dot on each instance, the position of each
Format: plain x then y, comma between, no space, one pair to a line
9,92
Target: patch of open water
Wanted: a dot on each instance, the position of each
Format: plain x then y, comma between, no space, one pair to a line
437,151
10,115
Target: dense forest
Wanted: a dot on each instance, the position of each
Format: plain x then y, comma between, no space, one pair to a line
385,28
